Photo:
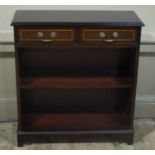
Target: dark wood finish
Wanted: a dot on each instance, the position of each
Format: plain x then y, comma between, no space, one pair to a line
74,100
30,34
84,18
74,122
77,84
75,61
125,35
76,136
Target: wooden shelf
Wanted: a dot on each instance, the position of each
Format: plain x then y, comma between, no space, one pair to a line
73,122
75,82
76,45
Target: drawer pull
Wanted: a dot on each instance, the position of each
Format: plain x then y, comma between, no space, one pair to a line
47,40
102,36
40,34
115,34
52,35
109,40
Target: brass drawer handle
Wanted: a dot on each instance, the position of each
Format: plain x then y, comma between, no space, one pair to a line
40,34
102,35
109,40
53,35
47,40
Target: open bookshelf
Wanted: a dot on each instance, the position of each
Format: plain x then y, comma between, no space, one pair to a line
77,78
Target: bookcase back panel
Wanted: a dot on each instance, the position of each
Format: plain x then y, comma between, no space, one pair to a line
76,62
74,100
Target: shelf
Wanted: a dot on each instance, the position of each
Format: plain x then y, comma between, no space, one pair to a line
76,45
75,82
73,122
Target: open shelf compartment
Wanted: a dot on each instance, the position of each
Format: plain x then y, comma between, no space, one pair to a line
74,122
75,82
77,62
75,100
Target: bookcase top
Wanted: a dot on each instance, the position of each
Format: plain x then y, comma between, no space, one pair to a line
83,18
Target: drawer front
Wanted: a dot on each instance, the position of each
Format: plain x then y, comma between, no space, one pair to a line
46,35
109,35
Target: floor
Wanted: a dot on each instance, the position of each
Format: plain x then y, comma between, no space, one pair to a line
144,139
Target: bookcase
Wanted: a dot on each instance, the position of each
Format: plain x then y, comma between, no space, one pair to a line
76,73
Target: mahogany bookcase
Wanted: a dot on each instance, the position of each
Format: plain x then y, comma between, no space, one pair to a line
76,74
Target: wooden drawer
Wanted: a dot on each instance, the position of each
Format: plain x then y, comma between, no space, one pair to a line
109,35
46,35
